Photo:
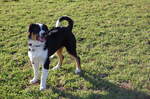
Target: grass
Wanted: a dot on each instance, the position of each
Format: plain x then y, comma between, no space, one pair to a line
113,41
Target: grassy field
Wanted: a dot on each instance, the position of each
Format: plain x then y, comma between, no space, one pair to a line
113,41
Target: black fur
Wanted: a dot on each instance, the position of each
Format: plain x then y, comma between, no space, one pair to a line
61,37
34,28
47,62
45,28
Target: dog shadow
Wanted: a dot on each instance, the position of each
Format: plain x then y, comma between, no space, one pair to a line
114,91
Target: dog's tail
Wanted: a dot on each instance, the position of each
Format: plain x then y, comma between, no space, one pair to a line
70,22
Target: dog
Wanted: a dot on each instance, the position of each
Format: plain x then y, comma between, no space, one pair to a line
44,43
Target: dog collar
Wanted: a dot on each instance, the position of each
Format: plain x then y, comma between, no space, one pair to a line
30,44
32,47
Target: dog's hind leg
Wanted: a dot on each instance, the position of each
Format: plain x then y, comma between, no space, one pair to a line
61,58
36,73
78,64
71,49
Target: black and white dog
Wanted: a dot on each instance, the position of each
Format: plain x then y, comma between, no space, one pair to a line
43,43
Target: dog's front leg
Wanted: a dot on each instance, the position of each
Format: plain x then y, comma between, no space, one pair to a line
43,79
44,74
36,73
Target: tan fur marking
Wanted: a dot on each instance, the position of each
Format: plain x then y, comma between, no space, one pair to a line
60,56
33,36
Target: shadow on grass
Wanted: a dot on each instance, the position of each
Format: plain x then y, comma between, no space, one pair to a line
114,91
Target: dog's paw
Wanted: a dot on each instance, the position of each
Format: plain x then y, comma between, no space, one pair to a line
33,81
42,88
78,71
52,56
56,67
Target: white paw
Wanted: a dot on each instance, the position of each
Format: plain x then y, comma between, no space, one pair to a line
56,67
33,81
42,88
52,56
77,71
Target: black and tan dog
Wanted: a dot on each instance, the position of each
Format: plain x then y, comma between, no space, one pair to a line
43,43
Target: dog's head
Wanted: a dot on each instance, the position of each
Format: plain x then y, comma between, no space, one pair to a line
37,32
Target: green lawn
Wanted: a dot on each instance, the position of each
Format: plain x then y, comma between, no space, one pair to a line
113,41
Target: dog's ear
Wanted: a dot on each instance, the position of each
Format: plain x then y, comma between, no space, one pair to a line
45,28
31,28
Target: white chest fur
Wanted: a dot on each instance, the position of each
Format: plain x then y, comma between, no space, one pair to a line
37,54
